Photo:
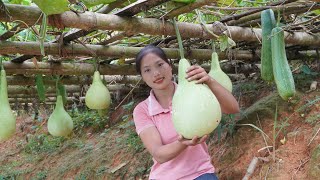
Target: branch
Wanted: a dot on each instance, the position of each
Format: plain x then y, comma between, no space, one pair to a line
238,16
186,9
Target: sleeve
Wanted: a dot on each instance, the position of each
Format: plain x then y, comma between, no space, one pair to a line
141,118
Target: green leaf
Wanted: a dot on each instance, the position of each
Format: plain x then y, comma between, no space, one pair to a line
226,42
317,12
50,7
90,3
24,2
185,1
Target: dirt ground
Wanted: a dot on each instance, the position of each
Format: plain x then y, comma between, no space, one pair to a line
117,153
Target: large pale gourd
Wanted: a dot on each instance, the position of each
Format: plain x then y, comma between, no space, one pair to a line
60,123
195,109
217,73
7,119
98,96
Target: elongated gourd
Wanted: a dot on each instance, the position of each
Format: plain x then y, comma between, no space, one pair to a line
7,119
268,22
281,69
60,123
195,109
41,90
97,96
217,73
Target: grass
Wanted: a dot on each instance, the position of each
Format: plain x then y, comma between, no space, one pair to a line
43,144
88,119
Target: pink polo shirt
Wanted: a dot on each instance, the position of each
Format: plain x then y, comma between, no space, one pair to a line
191,163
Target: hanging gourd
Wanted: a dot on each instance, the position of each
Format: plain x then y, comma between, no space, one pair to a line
217,73
60,122
7,119
268,22
41,90
97,96
281,69
195,109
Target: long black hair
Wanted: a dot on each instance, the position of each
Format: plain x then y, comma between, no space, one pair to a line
150,49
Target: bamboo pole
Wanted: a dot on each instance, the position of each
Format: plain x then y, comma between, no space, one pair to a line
28,68
91,20
71,80
17,89
32,89
32,48
48,99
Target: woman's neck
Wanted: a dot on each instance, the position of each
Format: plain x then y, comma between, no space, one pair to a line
164,96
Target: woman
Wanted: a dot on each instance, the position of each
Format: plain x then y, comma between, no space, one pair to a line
174,157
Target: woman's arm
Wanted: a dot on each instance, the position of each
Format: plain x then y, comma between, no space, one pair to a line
163,153
228,103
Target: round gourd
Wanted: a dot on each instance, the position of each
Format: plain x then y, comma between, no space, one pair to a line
98,96
195,109
60,123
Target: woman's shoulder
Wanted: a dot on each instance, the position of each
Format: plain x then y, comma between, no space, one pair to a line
142,106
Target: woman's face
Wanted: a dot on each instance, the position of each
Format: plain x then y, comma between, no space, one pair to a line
156,72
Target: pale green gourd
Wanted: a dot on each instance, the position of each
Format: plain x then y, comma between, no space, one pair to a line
98,96
195,109
60,122
217,73
7,119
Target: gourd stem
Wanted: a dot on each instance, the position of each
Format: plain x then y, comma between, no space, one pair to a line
278,17
179,39
213,46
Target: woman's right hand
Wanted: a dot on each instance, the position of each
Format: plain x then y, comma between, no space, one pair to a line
192,142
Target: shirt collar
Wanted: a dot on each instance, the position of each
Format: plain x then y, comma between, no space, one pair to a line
154,107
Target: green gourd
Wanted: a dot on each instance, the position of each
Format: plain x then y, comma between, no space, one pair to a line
268,22
7,119
281,69
97,96
195,109
41,90
217,74
60,122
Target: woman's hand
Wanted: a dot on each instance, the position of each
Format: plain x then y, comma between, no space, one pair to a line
197,73
192,142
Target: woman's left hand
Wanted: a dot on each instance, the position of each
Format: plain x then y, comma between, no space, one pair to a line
197,73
